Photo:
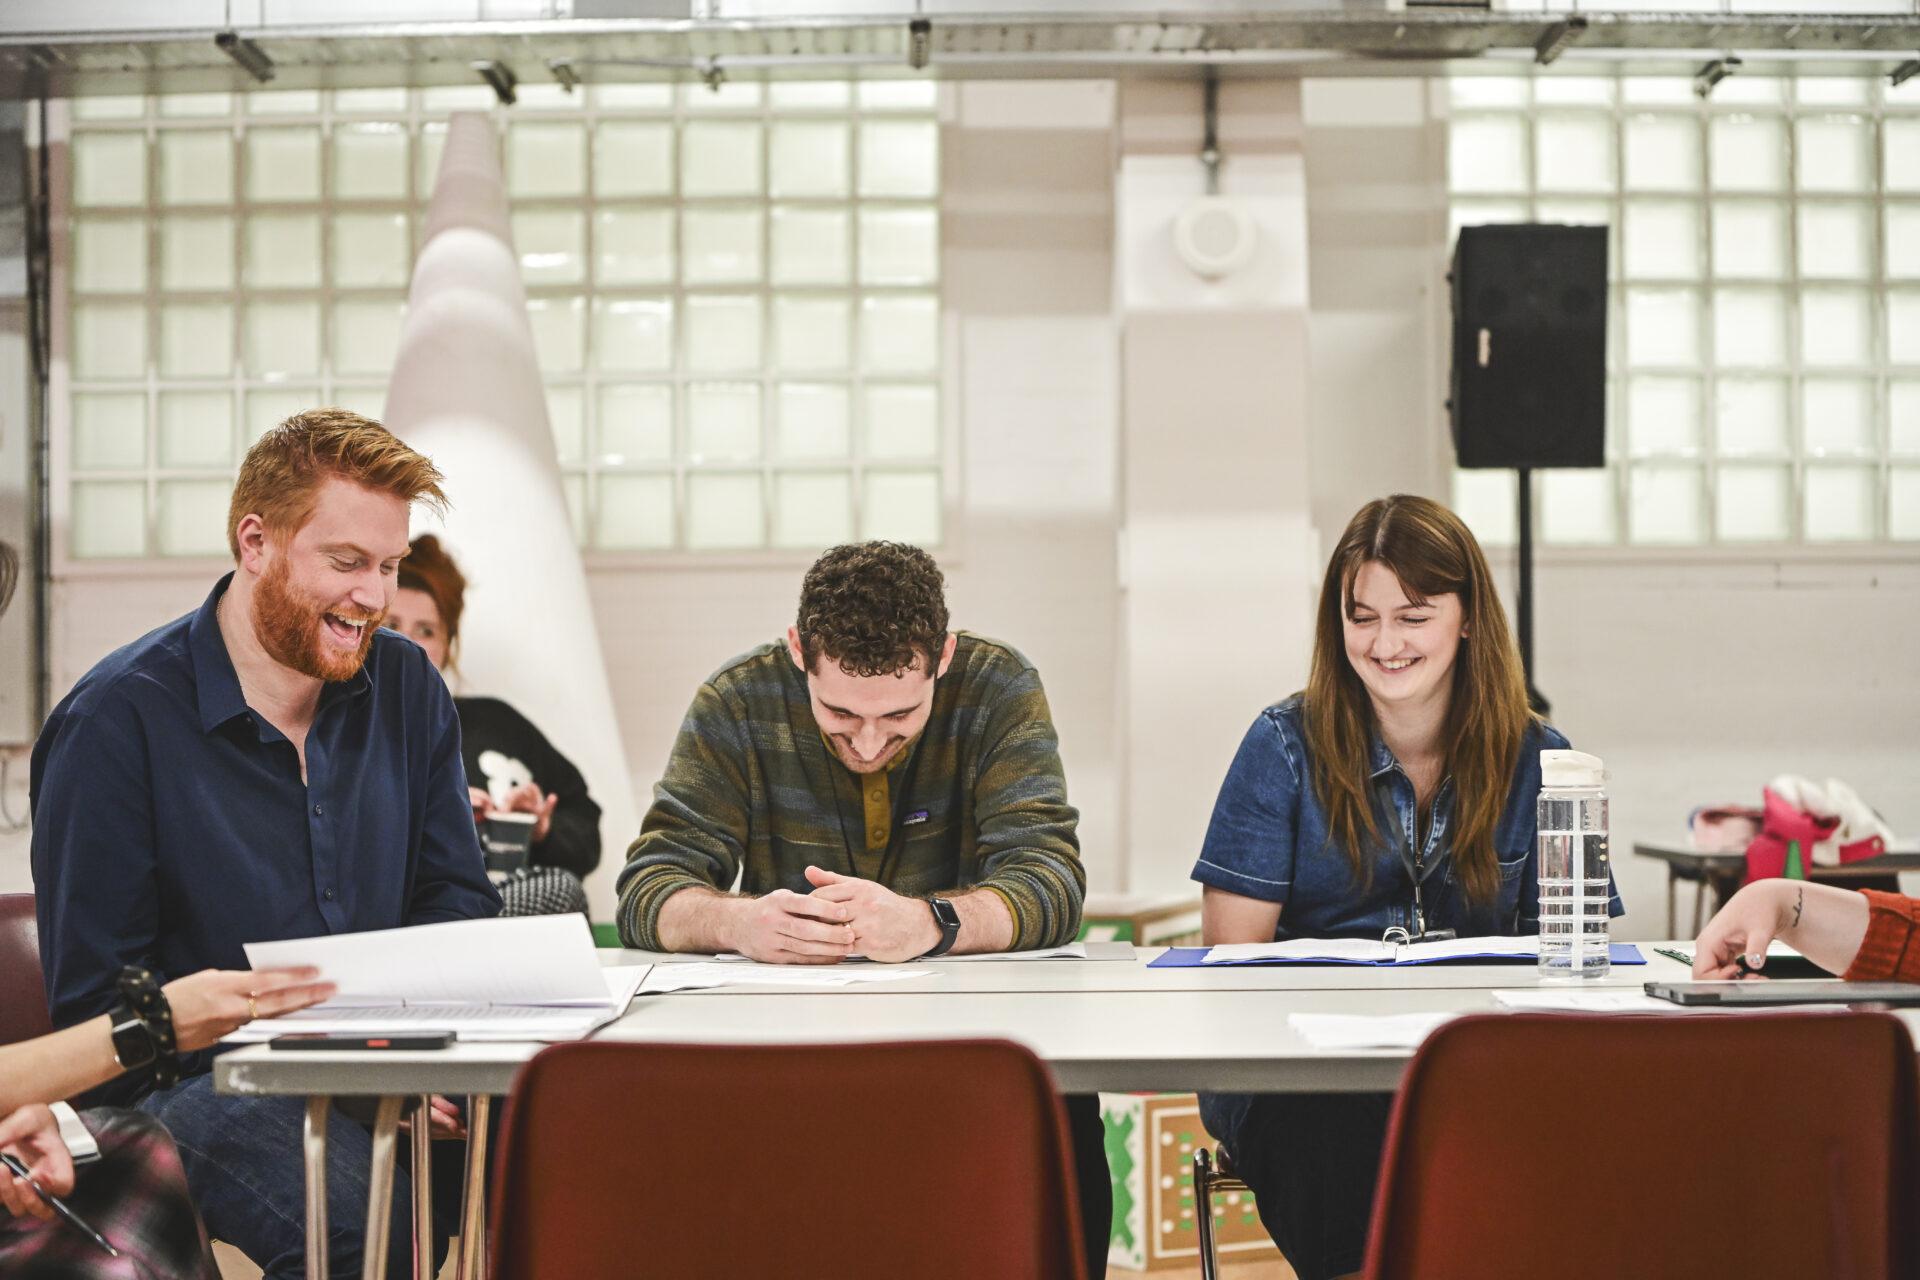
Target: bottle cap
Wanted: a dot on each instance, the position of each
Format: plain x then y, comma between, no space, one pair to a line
1571,769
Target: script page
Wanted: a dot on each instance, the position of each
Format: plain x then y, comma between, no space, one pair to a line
517,960
1360,950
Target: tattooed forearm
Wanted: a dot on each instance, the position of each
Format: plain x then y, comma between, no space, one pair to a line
1799,900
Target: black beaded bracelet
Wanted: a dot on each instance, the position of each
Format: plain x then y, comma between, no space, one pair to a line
142,993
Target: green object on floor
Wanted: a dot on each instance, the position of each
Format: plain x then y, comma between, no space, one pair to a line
1119,1128
606,935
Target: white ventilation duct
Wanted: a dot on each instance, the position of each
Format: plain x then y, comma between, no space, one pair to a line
467,392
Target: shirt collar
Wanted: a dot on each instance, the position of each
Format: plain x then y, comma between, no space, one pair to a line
216,681
1383,761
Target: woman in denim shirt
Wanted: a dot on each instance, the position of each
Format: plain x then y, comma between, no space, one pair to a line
1397,791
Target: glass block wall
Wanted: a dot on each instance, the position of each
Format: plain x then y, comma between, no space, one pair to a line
734,297
1765,327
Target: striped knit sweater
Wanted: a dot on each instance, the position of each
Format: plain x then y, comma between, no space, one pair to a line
977,799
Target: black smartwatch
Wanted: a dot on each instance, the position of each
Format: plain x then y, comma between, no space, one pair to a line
949,921
133,1044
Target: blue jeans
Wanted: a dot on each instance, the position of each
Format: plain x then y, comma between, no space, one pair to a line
245,1166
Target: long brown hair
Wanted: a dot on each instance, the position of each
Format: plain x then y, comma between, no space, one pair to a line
1432,552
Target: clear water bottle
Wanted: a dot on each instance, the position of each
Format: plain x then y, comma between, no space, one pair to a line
1575,879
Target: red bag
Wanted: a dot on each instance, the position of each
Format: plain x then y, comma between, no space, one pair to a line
1806,825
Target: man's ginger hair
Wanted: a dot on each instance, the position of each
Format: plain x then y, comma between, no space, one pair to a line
281,478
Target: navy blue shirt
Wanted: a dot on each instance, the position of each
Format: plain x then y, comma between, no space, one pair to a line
171,825
1268,840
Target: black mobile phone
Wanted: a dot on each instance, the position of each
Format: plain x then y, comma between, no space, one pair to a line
1756,994
308,1041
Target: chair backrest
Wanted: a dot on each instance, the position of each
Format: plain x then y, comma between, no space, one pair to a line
1670,1145
23,995
939,1160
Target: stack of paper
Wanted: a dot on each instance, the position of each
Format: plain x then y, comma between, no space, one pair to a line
699,975
520,978
1340,1031
1368,951
1565,1000
1070,951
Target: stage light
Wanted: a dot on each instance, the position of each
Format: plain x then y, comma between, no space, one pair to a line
499,77
251,57
1558,37
1713,73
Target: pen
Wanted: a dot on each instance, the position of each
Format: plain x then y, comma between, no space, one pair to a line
56,1204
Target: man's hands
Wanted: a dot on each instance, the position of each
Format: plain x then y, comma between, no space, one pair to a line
33,1135
525,798
789,928
885,925
213,1002
843,916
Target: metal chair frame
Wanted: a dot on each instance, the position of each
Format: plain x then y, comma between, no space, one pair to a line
1211,1173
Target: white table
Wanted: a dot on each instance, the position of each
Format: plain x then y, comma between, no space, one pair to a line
1101,1026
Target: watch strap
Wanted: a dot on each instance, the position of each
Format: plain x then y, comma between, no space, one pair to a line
141,990
948,919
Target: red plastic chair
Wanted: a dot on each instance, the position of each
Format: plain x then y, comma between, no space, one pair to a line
942,1160
1604,1147
23,993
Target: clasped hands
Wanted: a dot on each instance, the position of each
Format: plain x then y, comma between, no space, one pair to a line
843,916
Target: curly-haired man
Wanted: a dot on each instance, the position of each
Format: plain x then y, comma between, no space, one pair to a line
881,786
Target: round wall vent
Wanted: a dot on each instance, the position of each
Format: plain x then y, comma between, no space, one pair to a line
1215,236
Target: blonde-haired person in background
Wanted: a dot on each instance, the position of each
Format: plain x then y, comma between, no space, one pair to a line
270,766
1396,791
503,750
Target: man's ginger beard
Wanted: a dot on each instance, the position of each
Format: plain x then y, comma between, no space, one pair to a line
289,627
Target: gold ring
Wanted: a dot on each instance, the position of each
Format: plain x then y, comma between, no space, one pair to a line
253,1010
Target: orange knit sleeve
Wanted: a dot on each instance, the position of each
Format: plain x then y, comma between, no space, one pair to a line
1891,951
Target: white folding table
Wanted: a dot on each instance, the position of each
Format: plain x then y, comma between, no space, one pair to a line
1101,1026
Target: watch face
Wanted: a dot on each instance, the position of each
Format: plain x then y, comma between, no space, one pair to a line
132,1044
944,912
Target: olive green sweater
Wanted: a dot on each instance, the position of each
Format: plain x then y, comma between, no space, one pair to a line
977,799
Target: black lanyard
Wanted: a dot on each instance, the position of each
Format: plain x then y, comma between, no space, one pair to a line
906,772
1415,860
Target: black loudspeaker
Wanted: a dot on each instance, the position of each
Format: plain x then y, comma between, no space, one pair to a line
1529,385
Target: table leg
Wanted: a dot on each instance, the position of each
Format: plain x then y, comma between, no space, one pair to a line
423,1189
314,1142
386,1132
473,1226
